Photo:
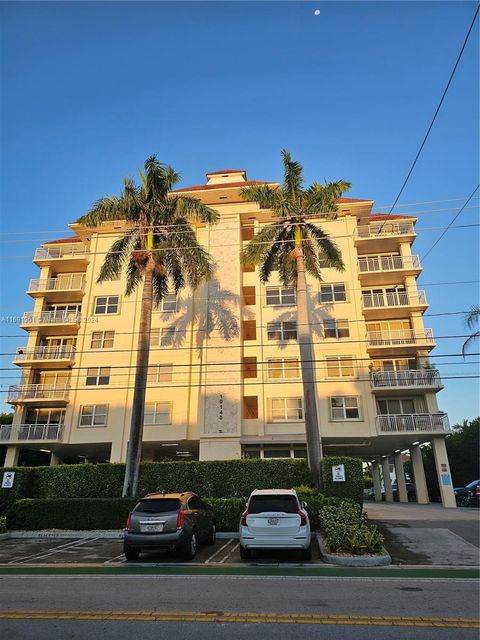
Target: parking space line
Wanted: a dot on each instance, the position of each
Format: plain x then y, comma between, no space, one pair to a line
218,551
51,552
230,552
122,555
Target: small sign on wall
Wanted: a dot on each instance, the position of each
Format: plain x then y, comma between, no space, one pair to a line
446,479
7,480
338,473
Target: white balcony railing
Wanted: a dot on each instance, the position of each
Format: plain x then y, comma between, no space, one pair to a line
51,317
65,251
408,378
373,264
65,352
407,336
413,423
393,299
19,393
28,432
380,230
60,283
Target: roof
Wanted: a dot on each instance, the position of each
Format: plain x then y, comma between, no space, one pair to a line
274,492
221,185
62,240
346,200
158,494
219,173
386,216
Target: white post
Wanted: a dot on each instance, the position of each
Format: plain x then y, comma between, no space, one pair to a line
377,483
387,482
400,474
419,474
443,472
11,458
54,459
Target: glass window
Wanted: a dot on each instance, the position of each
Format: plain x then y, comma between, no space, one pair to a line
344,408
158,413
340,367
93,415
280,296
333,292
283,368
169,303
276,452
286,409
97,376
273,503
336,328
162,505
102,339
160,373
252,451
282,331
167,337
106,305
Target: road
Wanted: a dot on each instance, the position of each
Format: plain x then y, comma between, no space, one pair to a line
201,607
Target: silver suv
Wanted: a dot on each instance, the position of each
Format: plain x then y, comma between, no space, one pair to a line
173,521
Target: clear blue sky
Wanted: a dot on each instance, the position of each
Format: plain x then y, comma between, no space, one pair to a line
89,90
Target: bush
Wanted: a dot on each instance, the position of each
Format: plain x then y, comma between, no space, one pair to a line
346,531
227,512
3,524
353,485
22,486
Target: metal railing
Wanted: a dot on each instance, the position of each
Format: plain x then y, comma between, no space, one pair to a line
393,299
380,230
372,264
53,432
19,392
407,378
407,336
413,423
70,251
60,283
51,317
64,352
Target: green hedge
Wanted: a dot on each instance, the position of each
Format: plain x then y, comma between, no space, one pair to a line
353,485
346,530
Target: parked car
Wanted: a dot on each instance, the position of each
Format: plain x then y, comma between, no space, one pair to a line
468,496
177,522
275,519
370,495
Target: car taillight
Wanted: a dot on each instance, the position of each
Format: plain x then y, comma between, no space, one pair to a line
477,492
243,519
303,518
129,519
180,519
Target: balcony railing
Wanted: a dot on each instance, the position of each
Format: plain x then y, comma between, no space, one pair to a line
413,423
51,317
61,283
408,378
19,393
69,251
407,336
372,264
393,299
380,230
65,352
28,432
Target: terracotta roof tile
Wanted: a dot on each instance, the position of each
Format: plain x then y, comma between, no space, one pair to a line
224,185
385,216
62,240
346,200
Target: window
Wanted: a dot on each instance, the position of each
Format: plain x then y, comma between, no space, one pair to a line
158,413
93,415
106,304
45,416
97,376
286,409
283,368
280,296
169,303
160,373
396,406
282,331
274,451
333,292
340,367
344,408
102,340
336,329
250,407
162,337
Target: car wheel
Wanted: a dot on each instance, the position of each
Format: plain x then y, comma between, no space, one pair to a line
190,548
212,536
131,554
245,554
306,554
462,501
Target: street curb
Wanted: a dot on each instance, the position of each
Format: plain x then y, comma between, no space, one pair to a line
380,560
80,535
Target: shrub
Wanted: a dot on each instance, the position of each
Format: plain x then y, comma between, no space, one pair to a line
353,485
22,486
3,524
227,512
346,531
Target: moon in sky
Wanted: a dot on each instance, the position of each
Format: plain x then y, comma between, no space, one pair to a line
317,12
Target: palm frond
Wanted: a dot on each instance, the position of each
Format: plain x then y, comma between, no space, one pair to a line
267,197
473,317
117,255
259,245
292,176
326,249
134,276
194,210
160,288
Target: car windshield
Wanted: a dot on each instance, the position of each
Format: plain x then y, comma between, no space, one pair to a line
284,504
162,505
472,485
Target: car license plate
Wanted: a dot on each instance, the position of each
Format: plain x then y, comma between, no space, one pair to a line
272,521
151,528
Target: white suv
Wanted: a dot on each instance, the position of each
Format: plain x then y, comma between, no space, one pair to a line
274,519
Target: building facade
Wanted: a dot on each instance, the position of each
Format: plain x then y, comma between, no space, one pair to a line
224,378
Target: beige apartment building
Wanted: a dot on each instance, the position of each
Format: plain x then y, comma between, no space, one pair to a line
224,379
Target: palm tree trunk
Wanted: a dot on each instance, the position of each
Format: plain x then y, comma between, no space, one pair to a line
304,335
134,451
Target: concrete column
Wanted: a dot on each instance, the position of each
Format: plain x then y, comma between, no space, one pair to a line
116,451
400,474
11,458
54,459
377,482
387,483
419,474
443,472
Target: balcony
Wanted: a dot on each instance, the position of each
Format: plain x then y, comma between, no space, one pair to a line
392,304
46,357
406,423
31,433
390,382
51,322
65,257
60,289
386,269
42,394
406,341
384,236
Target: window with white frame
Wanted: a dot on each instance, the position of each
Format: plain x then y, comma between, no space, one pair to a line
162,337
282,331
160,373
105,305
286,409
283,368
93,415
157,413
340,367
334,292
169,303
102,339
282,296
336,329
274,451
97,376
345,408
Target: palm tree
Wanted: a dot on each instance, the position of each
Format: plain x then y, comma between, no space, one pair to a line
472,319
160,251
294,246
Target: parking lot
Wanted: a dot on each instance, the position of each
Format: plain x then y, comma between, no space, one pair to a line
25,551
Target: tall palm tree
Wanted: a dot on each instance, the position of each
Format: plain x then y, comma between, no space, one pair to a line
160,252
472,319
294,246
